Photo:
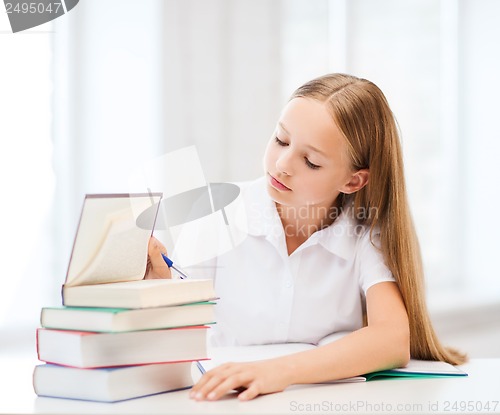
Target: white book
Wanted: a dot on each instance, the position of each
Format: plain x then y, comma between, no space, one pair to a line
110,384
139,294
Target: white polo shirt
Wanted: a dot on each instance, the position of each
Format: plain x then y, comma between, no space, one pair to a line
268,296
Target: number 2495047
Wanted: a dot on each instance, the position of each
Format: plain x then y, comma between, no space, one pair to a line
33,8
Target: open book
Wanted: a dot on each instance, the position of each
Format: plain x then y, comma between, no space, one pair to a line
109,258
109,246
416,368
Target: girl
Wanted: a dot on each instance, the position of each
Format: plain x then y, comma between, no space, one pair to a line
331,248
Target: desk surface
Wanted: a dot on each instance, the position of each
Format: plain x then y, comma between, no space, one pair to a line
477,393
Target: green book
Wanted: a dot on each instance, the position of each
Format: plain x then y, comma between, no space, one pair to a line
419,369
115,320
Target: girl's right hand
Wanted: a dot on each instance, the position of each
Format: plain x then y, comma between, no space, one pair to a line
156,267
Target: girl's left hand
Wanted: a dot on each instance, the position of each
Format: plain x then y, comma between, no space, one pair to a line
254,378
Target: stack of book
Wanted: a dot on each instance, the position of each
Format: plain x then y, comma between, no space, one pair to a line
116,339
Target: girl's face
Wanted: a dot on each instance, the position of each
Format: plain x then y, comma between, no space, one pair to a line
306,159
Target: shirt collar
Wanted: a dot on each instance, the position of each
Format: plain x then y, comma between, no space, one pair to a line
340,238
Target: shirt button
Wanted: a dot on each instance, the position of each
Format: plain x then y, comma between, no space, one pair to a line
288,284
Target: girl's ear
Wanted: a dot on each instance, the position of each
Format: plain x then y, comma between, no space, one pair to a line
357,181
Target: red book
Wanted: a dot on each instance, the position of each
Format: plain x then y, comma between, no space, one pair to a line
93,350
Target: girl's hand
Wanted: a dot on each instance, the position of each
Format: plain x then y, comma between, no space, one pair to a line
156,267
250,379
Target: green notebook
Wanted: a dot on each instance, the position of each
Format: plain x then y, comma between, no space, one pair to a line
419,369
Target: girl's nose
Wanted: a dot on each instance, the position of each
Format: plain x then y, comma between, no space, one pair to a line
284,163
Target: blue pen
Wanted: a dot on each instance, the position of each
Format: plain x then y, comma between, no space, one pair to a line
170,264
201,368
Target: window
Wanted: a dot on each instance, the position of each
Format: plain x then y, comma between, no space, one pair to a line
26,171
435,62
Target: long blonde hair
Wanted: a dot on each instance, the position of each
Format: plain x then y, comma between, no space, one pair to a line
360,110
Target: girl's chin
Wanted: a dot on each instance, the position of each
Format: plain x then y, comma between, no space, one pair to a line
281,198
275,195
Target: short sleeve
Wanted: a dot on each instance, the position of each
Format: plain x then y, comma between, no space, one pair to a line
370,262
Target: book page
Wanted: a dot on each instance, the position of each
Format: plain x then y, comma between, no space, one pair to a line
118,257
429,367
109,246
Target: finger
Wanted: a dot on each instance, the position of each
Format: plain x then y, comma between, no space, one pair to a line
210,383
160,245
157,262
154,245
198,385
234,382
251,392
203,381
212,377
206,377
157,267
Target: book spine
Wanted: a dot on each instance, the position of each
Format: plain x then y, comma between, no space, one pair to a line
34,381
37,345
62,295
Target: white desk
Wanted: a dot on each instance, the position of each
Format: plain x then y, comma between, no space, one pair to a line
395,396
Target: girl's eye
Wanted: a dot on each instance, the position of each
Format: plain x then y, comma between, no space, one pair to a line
311,165
280,143
308,163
